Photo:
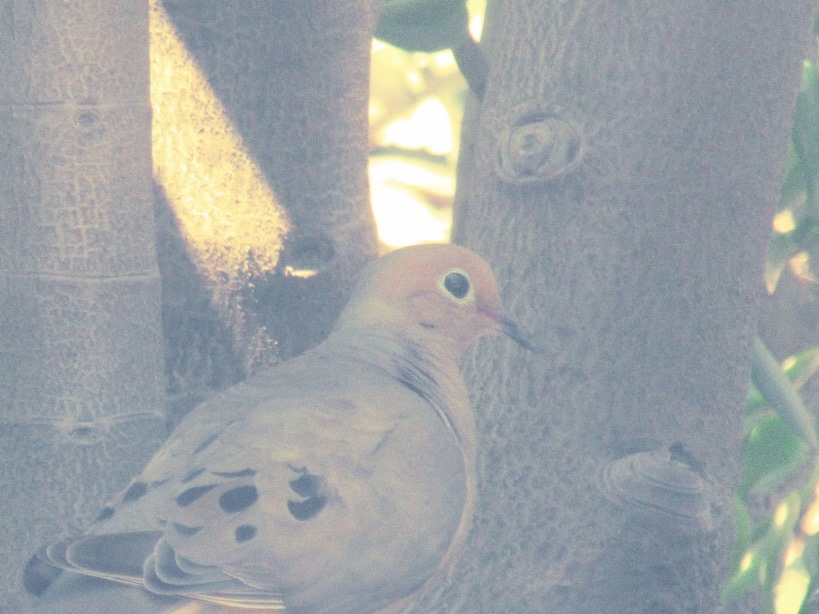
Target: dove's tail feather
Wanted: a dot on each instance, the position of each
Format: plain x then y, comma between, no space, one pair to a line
138,559
39,574
71,593
118,557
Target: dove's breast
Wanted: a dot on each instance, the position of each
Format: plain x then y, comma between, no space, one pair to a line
388,494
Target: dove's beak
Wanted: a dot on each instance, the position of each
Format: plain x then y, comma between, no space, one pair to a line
506,325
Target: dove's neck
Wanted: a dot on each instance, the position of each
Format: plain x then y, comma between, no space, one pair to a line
423,366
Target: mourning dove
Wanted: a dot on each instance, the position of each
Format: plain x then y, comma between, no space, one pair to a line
340,481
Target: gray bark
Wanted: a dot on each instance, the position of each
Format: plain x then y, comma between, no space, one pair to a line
293,79
80,354
620,173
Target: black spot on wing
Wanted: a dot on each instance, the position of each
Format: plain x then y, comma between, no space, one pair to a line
238,499
307,509
306,485
244,473
206,443
192,475
245,532
309,487
135,491
186,497
106,513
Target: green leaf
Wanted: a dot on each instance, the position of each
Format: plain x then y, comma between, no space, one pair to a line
801,367
778,392
791,588
781,248
758,564
780,533
744,579
423,25
743,534
772,454
798,368
805,135
794,191
806,234
810,555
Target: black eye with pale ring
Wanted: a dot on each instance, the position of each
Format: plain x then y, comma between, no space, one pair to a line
457,284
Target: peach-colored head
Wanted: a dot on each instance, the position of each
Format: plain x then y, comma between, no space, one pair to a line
433,291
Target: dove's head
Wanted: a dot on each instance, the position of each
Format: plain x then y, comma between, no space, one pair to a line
434,291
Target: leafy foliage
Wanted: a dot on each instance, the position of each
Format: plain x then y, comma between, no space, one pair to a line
779,554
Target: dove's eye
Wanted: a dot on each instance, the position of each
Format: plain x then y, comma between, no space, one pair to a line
456,284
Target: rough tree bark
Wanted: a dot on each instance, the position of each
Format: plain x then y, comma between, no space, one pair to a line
293,79
80,349
620,173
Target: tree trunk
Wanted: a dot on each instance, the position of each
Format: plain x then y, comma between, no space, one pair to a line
272,95
80,356
621,173
244,287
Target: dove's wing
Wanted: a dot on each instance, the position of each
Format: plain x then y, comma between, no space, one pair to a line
308,497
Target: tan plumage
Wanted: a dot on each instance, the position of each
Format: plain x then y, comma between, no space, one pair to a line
340,481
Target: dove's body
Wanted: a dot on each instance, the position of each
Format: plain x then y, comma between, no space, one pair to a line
361,472
341,481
